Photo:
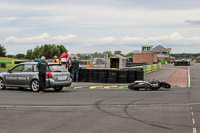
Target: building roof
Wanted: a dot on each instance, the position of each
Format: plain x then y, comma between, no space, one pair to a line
118,56
160,48
147,46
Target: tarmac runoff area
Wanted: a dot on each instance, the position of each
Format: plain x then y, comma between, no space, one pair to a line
174,110
177,76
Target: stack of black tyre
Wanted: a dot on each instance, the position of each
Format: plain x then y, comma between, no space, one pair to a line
103,75
112,76
81,73
96,75
131,75
84,75
91,75
139,74
122,76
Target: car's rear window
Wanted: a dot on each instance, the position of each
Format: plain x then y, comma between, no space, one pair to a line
57,68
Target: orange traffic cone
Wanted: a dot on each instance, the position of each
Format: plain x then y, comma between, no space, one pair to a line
90,64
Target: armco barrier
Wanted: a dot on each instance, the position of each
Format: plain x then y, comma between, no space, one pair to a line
145,69
182,63
155,67
150,68
192,63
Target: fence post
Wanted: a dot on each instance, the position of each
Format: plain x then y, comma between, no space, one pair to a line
106,60
92,60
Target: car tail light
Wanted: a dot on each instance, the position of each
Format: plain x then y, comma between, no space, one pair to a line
129,86
49,75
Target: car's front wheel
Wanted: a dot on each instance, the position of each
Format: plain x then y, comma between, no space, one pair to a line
58,88
35,86
2,84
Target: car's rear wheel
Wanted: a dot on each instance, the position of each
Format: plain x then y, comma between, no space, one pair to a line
58,88
2,84
35,86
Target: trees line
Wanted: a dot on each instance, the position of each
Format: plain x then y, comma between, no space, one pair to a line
50,50
47,50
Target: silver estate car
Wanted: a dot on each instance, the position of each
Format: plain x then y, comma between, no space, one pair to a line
26,75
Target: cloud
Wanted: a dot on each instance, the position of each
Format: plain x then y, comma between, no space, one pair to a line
99,23
193,22
172,37
10,29
108,40
40,39
175,36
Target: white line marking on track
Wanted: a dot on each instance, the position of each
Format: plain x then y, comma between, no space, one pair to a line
194,130
192,113
193,121
189,77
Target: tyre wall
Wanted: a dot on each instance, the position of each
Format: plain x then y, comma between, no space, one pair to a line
127,75
110,75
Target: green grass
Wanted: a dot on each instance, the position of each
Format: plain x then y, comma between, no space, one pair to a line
10,59
7,68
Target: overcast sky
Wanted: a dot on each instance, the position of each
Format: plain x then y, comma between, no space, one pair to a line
86,26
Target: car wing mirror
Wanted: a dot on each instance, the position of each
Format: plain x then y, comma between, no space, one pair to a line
9,71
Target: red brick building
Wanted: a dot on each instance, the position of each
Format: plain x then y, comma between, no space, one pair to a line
150,55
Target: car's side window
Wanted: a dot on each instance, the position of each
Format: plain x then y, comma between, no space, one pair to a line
17,69
27,68
34,68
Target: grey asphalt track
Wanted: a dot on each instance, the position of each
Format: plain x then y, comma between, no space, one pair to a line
102,111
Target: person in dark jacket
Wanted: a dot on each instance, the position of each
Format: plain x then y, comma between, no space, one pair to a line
75,69
42,68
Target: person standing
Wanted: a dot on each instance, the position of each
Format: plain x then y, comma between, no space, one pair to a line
75,69
56,60
68,64
42,68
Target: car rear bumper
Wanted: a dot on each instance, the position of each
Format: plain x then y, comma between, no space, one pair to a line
53,83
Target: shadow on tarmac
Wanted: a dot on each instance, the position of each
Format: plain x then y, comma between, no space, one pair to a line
50,90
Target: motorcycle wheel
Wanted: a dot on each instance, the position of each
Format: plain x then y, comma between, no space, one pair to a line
165,85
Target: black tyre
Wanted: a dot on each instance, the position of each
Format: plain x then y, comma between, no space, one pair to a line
112,76
58,88
103,75
96,75
91,75
35,86
131,76
165,85
122,80
122,76
2,84
139,75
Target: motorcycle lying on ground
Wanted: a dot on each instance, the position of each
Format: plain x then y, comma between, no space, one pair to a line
152,85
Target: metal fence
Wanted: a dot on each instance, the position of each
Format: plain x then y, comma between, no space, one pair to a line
92,60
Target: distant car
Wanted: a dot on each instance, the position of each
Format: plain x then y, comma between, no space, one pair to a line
26,75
